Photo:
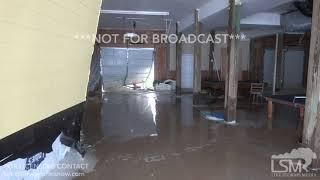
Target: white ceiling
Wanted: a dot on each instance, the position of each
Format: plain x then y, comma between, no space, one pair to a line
219,17
117,21
213,13
177,8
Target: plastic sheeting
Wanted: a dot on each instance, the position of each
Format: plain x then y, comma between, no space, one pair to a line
125,66
113,67
95,69
36,167
140,61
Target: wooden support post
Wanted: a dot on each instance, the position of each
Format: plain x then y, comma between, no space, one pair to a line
252,70
196,61
300,123
232,64
274,83
306,59
270,110
212,71
178,62
280,62
270,113
311,134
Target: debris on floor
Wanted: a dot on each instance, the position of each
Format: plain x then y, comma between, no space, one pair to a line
213,116
154,158
167,85
39,165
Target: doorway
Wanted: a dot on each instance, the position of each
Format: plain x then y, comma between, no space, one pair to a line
268,66
293,69
127,66
187,71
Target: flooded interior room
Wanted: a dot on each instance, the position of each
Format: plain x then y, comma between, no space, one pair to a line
160,90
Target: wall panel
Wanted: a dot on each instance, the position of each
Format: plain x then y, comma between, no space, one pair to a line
44,66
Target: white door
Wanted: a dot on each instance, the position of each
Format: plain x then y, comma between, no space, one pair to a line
187,71
268,66
293,69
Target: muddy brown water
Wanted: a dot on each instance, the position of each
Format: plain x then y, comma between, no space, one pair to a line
144,135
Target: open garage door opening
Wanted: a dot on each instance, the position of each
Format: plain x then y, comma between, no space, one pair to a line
127,67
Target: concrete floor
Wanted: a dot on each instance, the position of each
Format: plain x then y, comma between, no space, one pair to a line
143,135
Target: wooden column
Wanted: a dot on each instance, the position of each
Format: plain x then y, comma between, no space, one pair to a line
274,83
270,113
212,71
252,70
178,62
306,59
311,134
280,63
196,61
231,85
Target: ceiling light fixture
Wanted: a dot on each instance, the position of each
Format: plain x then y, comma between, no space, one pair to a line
132,34
148,13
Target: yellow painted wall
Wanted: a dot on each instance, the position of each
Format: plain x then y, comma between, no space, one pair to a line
44,67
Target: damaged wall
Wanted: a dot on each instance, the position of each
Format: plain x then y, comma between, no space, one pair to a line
44,66
160,64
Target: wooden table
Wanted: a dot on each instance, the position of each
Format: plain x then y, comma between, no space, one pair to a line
289,100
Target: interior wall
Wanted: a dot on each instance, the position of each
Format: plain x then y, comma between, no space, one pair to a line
187,50
220,55
293,42
44,66
292,68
